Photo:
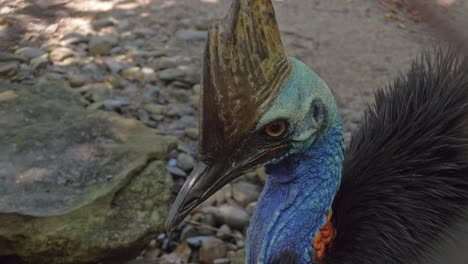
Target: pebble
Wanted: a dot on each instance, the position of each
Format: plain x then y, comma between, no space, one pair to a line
224,232
187,232
154,108
61,53
250,208
102,45
222,261
115,104
197,241
204,22
99,24
180,255
132,73
212,249
170,62
185,162
73,39
183,73
40,62
208,221
8,69
238,257
191,34
76,79
174,171
10,57
196,88
192,133
245,192
97,93
178,110
30,52
232,216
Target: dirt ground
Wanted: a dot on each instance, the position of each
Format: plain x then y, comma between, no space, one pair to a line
354,45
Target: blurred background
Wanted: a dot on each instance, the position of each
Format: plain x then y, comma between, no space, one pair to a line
98,116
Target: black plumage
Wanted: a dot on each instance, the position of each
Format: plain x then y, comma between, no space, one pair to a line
405,174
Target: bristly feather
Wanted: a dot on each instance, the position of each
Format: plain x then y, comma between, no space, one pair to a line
405,174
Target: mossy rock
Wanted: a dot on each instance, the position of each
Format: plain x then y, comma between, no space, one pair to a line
76,186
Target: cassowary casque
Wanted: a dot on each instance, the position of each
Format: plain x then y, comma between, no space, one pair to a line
399,189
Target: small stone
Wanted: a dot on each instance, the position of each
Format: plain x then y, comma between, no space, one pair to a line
170,62
238,257
261,174
145,33
116,81
197,241
115,66
187,232
76,80
183,73
174,171
123,25
224,232
250,208
132,73
212,249
8,95
98,93
147,75
208,222
60,53
176,110
245,192
185,162
30,52
99,24
191,35
73,39
10,57
54,76
204,23
172,162
232,216
192,133
115,104
153,108
8,69
171,74
196,88
102,45
180,255
222,261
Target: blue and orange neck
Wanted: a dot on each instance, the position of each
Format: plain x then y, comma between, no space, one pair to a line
298,195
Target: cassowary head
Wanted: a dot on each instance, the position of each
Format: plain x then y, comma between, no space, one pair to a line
257,107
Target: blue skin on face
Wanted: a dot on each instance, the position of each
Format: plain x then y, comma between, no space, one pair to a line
300,188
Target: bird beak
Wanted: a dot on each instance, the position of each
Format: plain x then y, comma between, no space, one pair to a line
199,186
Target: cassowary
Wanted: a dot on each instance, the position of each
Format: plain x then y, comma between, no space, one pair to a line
394,196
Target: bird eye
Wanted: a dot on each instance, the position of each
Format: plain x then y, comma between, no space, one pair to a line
276,128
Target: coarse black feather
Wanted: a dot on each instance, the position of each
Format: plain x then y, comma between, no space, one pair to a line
405,174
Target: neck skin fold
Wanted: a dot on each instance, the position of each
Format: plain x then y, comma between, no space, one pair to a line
298,193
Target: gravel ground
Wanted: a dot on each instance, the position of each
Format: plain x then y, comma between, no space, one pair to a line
141,59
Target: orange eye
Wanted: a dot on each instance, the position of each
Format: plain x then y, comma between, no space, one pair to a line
276,128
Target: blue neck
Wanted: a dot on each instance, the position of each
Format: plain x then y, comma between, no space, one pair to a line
298,193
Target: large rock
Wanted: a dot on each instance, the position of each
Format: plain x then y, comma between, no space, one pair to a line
76,185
